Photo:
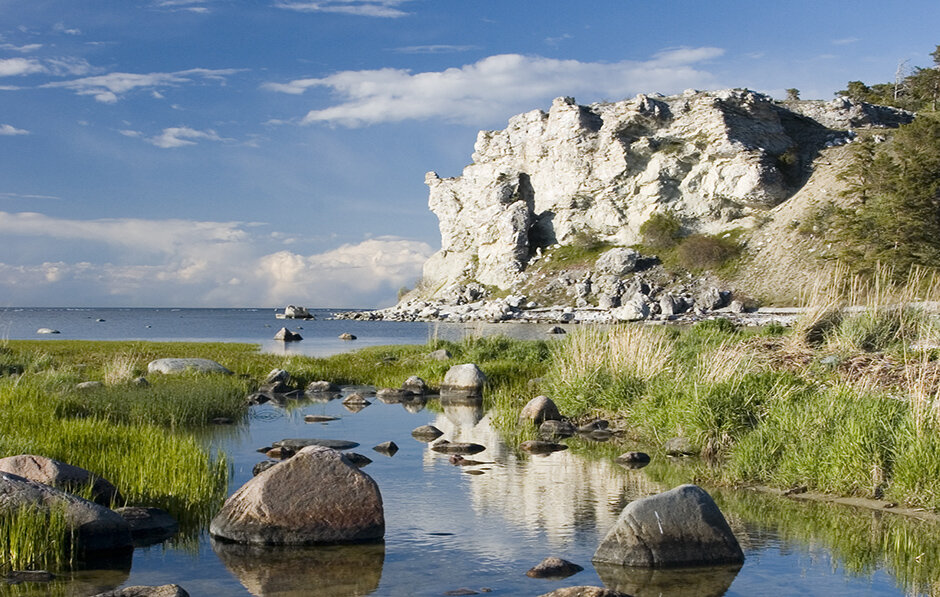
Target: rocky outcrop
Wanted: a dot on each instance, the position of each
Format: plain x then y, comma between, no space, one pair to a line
63,476
679,527
317,496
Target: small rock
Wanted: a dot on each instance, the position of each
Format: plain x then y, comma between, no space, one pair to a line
358,459
554,568
679,446
390,395
460,592
538,410
146,591
16,577
47,331
319,418
633,459
536,446
169,366
221,421
426,433
458,460
595,425
388,448
280,452
439,355
277,376
261,467
319,387
555,329
446,447
140,382
415,385
285,335
89,385
148,522
356,399
737,306
556,429
298,444
584,591
347,336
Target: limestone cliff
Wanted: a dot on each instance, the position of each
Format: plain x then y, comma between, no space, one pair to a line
718,160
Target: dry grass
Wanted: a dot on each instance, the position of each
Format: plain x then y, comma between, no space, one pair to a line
120,369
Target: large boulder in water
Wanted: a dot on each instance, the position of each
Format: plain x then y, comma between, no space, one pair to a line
679,527
98,528
467,377
184,365
317,496
63,476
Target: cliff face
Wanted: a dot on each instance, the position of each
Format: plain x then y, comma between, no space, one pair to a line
718,160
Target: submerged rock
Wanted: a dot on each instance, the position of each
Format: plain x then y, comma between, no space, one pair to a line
149,522
426,433
446,447
584,591
318,496
556,429
679,527
146,591
298,444
536,446
633,459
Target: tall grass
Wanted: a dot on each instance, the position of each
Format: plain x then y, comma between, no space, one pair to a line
32,538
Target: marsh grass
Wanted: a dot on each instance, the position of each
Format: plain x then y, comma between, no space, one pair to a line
32,538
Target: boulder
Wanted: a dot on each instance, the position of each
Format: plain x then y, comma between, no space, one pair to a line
285,335
169,366
467,377
317,496
99,529
554,568
679,527
60,475
618,261
146,591
292,312
538,410
634,310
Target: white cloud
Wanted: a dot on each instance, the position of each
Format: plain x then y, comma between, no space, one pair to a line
24,49
61,28
11,67
845,41
496,87
9,130
180,136
110,87
363,8
435,49
209,263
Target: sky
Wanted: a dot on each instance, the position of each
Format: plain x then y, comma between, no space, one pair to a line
262,153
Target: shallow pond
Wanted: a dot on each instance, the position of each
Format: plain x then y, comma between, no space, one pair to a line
483,527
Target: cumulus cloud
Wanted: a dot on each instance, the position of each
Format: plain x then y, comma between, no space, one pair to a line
110,87
9,130
11,67
193,263
363,8
496,86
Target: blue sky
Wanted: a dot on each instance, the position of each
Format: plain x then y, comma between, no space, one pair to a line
265,152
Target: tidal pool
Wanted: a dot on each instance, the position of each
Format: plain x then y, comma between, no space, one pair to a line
482,527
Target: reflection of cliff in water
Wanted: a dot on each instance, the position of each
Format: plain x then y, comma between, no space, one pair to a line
316,571
557,494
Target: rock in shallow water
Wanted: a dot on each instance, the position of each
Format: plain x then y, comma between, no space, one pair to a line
554,568
679,527
317,496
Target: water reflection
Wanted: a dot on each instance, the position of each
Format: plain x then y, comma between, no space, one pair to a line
321,571
712,581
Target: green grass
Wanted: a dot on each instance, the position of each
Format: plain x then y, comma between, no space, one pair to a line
35,539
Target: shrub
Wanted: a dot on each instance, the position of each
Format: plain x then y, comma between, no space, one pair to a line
661,230
703,252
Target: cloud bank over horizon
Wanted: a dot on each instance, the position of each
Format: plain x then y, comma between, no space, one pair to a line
201,264
495,86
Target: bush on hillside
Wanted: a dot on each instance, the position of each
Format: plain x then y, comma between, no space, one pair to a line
705,252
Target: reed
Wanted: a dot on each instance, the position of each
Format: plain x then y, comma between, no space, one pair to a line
32,538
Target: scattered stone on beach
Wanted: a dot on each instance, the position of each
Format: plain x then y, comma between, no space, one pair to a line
553,567
347,336
426,433
169,366
679,527
584,591
89,385
538,410
388,448
467,377
319,418
321,387
146,591
285,335
97,527
679,446
556,429
47,331
62,476
415,385
535,446
318,496
262,466
446,447
441,354
298,444
633,459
